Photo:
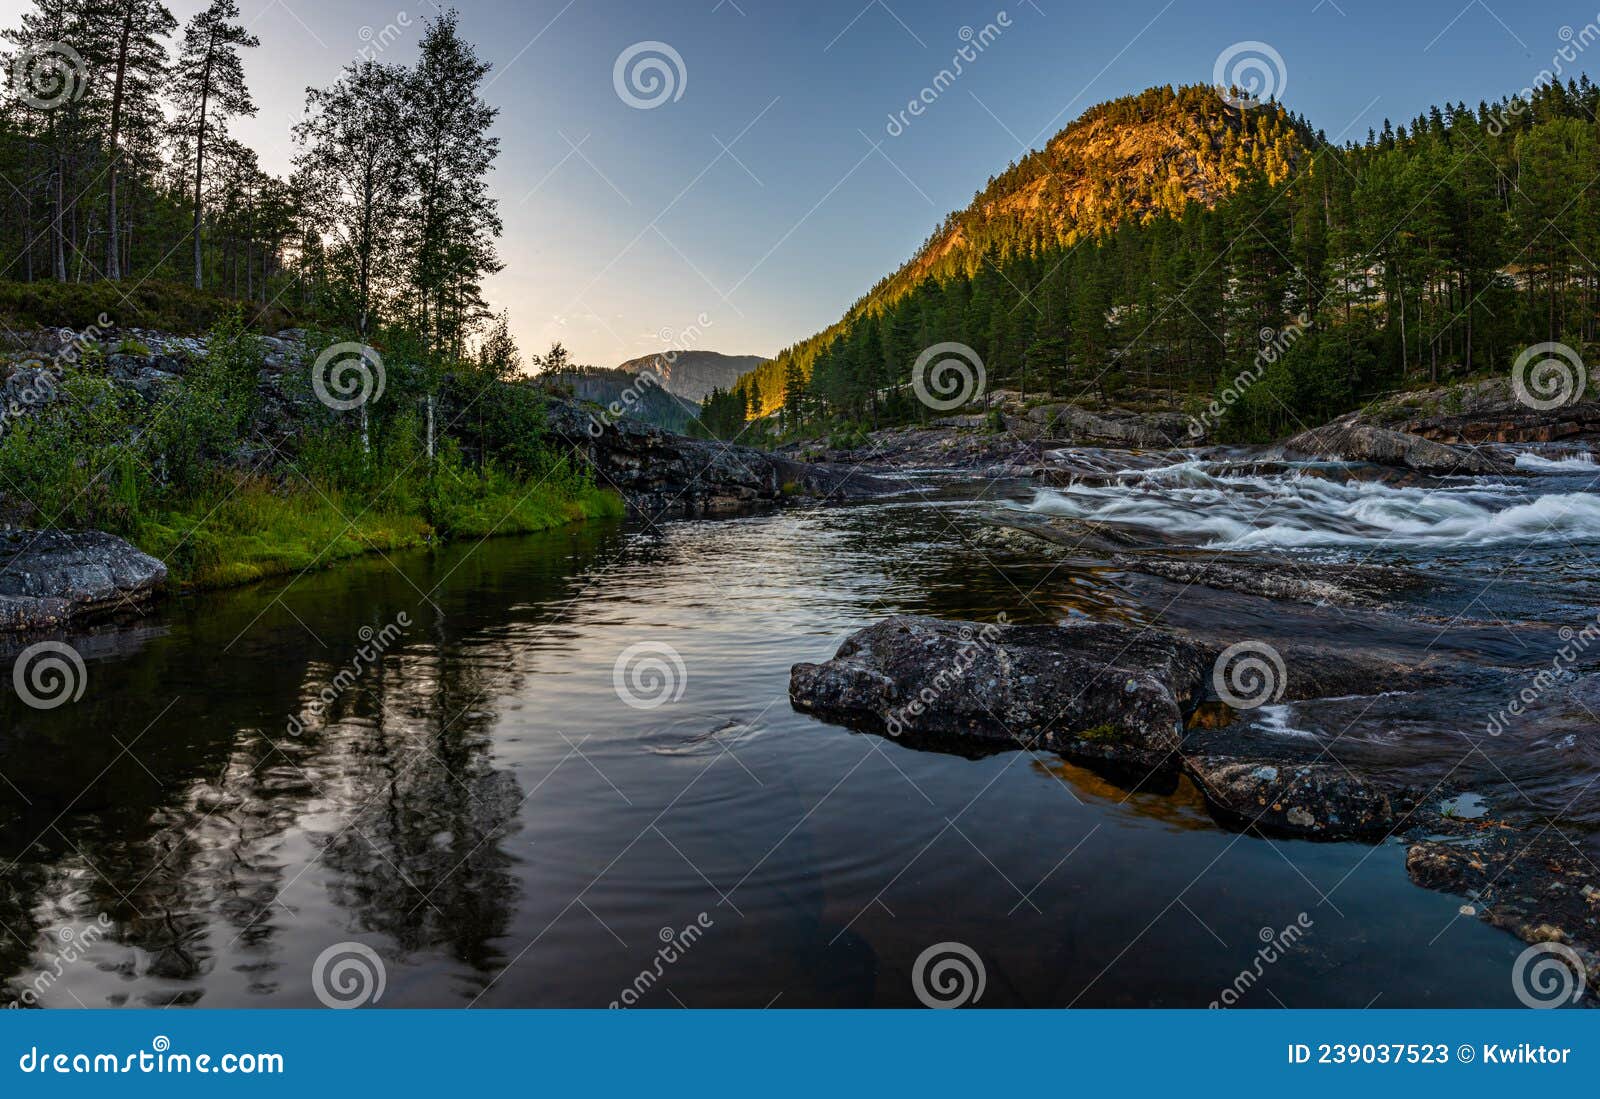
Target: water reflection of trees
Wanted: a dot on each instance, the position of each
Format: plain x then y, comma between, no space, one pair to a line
193,844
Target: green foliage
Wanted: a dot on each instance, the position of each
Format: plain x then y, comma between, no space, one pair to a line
1099,267
200,422
75,462
154,304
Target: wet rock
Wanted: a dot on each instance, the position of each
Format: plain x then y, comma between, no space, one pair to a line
1113,427
1320,584
1094,689
1487,412
1311,800
1082,535
661,473
1353,439
50,577
1540,888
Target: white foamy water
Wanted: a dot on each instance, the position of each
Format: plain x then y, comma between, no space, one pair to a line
1573,463
1199,503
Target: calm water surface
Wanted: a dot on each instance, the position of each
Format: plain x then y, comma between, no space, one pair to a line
484,811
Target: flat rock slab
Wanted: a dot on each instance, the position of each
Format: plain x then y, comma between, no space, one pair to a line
1310,800
51,577
1351,439
1339,585
1092,688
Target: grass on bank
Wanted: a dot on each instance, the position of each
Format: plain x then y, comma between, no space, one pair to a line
256,529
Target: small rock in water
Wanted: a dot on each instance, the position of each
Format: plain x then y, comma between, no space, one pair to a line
1468,910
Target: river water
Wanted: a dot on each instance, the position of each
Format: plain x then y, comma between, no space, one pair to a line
505,821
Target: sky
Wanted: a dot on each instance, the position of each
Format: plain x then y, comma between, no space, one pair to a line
764,183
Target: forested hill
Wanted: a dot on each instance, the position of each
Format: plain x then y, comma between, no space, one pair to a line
1132,158
1137,157
1169,240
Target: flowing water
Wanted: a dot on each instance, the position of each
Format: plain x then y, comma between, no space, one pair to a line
480,804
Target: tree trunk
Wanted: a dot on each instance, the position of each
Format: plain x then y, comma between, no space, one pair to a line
199,166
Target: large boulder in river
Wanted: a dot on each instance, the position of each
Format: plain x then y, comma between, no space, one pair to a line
50,577
1352,439
1089,688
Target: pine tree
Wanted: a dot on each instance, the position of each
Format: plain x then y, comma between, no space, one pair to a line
208,88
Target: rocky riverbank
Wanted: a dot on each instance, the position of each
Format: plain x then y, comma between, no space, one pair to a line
1149,702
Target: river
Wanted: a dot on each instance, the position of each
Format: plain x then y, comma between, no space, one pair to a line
507,820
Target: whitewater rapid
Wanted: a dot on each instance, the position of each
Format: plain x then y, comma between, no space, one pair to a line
1315,505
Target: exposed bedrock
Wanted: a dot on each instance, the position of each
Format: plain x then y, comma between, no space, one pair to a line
1352,439
659,472
51,577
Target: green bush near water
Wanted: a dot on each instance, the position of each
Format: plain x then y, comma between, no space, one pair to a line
167,476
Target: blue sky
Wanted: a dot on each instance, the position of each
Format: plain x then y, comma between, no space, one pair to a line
756,200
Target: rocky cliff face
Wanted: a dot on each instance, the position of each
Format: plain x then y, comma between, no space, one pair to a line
694,374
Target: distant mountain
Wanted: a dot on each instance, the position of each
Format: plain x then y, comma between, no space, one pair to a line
645,401
694,374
